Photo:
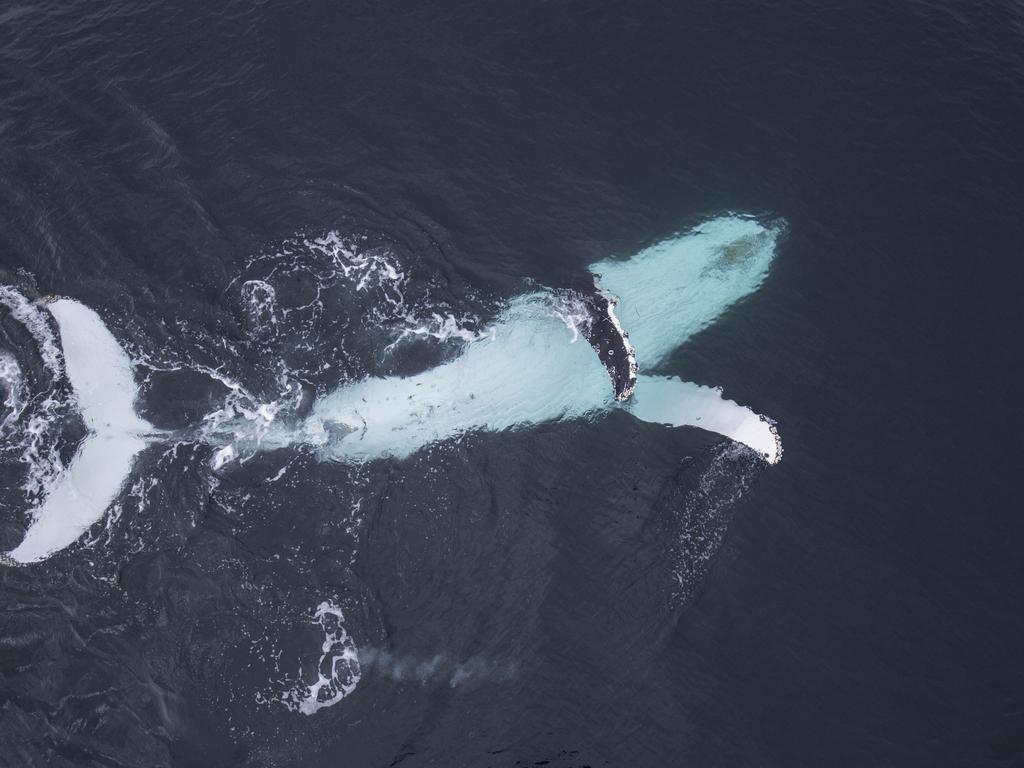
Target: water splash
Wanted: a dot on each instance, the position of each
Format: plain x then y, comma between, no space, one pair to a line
341,666
12,385
37,322
35,408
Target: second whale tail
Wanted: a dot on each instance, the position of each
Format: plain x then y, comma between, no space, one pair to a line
101,376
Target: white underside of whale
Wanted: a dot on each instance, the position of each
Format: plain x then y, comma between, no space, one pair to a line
530,368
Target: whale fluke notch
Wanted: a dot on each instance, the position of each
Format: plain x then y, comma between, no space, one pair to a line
101,377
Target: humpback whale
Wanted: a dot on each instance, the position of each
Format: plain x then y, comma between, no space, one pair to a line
526,370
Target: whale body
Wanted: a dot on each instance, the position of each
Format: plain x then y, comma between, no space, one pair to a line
527,370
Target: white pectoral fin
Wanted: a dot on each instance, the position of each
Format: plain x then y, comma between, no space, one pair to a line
80,495
668,400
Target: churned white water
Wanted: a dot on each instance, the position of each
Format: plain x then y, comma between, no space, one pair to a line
338,668
12,389
34,319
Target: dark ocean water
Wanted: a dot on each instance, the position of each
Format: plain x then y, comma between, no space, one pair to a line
607,593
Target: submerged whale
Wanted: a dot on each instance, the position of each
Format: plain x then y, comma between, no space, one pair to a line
527,370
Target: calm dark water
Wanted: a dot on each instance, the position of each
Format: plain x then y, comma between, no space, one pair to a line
588,594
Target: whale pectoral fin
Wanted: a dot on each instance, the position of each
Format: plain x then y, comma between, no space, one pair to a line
668,400
80,495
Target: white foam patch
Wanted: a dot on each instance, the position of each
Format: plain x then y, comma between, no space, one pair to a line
260,301
34,319
574,314
338,669
366,268
31,422
101,377
341,666
244,421
39,450
440,327
12,385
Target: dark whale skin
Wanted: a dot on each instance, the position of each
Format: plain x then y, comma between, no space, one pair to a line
609,340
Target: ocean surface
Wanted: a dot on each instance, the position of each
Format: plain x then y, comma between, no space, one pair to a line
273,205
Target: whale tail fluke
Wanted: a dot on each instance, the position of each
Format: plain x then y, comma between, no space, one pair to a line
101,376
80,496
